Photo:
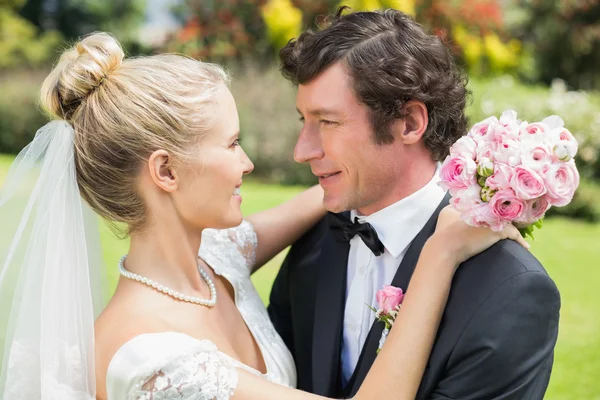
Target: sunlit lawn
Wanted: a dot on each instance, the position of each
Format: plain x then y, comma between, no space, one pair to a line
569,250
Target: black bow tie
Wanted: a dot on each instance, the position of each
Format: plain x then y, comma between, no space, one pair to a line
344,230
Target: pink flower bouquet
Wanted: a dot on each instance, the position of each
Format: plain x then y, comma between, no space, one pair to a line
510,171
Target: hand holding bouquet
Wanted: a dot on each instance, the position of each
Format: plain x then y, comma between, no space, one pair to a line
510,171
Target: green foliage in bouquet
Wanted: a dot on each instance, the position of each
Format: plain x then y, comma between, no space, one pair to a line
528,230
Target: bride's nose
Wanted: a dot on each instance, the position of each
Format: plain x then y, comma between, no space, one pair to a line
248,164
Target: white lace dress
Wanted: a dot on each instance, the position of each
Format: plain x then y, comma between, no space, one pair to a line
173,365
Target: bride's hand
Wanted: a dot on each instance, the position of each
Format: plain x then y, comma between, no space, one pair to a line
463,241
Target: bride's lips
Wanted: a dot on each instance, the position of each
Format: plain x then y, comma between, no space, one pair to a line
237,192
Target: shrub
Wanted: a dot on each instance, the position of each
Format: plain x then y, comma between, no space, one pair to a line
565,38
20,116
20,43
222,31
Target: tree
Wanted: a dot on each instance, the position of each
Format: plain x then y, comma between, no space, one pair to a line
74,18
20,43
221,30
565,38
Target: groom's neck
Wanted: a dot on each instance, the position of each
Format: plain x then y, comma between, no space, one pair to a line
411,177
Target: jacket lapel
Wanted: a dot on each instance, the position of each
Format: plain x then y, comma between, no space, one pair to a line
329,315
401,280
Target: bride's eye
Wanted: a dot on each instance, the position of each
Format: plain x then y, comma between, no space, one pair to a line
236,142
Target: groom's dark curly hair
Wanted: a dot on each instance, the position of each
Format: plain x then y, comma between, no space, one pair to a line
391,60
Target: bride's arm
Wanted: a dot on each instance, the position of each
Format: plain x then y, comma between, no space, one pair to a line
397,371
399,367
279,227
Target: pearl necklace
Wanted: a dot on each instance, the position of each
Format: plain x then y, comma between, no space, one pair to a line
170,292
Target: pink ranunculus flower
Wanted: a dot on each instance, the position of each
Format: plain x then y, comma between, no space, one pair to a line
502,177
535,132
527,184
389,298
561,179
507,206
464,147
484,128
500,133
508,152
471,215
554,121
485,148
535,209
511,123
509,117
457,173
465,199
521,170
535,155
482,215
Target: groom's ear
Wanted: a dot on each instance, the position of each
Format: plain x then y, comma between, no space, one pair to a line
161,170
412,127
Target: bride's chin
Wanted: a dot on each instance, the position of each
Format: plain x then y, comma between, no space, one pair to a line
233,219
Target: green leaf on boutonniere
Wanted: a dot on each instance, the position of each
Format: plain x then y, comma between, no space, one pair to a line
371,308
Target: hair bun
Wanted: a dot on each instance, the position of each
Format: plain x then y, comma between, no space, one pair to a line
79,72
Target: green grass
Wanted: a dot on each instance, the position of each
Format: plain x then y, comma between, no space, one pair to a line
568,249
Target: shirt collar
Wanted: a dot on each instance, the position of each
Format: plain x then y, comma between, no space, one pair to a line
399,223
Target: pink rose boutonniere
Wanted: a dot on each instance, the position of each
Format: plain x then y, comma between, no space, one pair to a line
389,301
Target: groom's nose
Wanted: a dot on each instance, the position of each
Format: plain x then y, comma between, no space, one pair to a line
308,146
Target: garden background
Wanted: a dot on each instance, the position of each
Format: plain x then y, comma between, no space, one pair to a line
539,57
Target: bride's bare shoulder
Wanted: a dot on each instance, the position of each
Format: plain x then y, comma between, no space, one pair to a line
121,320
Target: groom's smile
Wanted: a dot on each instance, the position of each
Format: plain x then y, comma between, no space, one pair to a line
325,179
338,142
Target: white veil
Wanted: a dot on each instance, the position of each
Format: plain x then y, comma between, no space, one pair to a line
51,283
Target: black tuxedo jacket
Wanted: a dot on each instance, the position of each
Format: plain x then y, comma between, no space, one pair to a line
495,341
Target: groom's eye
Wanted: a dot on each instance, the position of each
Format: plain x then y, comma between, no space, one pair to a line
328,122
301,119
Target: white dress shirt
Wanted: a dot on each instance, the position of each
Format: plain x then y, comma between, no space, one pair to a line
397,225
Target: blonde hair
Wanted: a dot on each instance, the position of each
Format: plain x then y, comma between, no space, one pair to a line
122,110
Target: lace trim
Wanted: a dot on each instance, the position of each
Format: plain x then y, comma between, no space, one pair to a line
235,266
231,253
202,375
235,247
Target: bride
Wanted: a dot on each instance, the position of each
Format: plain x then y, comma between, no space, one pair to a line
153,144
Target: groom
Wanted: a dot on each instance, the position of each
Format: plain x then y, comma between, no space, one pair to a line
382,102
